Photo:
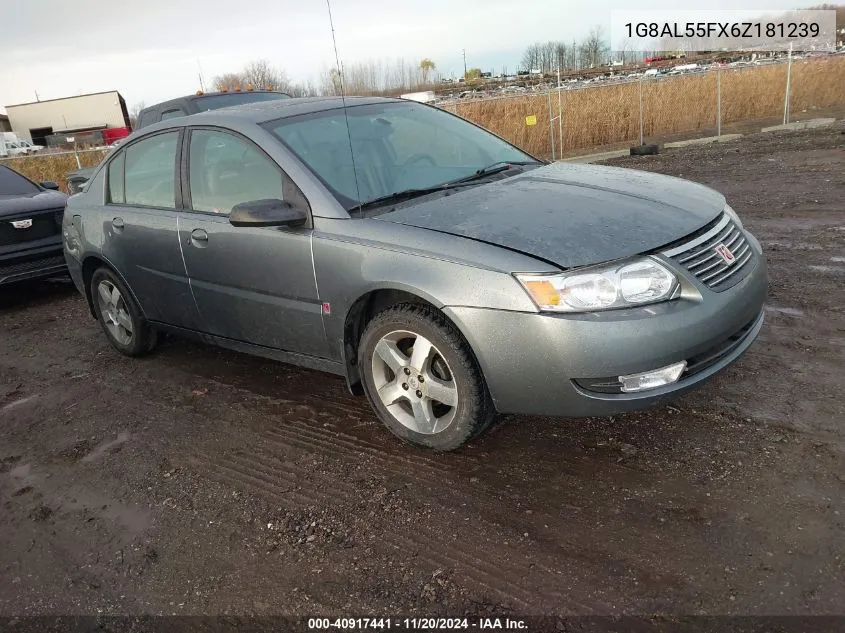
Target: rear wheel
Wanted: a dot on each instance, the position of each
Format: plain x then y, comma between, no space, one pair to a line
422,380
119,315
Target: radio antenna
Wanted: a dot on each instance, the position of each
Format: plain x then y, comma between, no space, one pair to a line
345,113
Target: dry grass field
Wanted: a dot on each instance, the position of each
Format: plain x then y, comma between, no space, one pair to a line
610,114
53,166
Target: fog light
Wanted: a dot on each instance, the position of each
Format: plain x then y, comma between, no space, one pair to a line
652,379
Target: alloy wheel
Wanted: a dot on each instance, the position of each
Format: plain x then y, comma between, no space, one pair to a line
414,382
115,313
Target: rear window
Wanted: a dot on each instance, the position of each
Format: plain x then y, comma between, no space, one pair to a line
12,183
172,114
214,102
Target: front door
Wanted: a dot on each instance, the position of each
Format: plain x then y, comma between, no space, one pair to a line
255,285
140,228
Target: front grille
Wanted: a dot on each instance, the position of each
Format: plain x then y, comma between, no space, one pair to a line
698,255
44,224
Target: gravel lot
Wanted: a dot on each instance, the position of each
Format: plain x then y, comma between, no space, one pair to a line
202,481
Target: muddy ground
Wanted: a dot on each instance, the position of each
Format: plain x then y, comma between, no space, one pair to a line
202,481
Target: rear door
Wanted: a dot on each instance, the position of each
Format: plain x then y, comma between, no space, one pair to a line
255,285
142,227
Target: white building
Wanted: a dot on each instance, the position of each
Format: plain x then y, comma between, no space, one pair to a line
84,113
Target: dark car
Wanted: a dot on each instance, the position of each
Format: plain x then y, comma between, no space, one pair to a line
30,228
182,106
445,273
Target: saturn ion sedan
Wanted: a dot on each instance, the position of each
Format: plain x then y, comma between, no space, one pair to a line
446,274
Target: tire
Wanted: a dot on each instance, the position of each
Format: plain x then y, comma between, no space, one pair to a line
119,315
645,150
410,407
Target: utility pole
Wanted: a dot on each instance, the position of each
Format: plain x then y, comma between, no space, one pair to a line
465,63
36,96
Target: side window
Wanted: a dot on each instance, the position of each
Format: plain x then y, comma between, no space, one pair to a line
172,114
225,170
147,118
150,171
116,193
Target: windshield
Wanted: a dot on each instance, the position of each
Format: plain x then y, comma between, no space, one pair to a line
214,102
397,146
13,184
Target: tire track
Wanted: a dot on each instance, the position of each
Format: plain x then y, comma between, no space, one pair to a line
273,479
497,576
324,444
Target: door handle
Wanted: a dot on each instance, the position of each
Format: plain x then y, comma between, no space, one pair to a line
117,223
199,237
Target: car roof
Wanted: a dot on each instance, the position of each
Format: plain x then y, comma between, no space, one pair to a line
194,97
264,111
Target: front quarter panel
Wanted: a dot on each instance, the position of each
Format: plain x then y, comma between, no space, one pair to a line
355,257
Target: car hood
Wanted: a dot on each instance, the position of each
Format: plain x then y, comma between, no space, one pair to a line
571,215
30,203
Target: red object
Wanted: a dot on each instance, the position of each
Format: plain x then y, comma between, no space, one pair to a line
110,135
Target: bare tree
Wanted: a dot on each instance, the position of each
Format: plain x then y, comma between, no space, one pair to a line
133,114
531,58
263,76
560,55
625,51
227,81
594,48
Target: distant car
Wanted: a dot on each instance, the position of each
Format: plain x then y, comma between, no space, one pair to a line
30,228
181,106
22,148
444,272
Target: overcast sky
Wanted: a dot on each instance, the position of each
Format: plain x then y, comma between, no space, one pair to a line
151,50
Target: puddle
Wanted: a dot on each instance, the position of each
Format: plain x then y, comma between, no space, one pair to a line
18,403
788,311
133,519
122,437
828,269
23,474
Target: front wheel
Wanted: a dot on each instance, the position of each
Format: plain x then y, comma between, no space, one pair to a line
422,380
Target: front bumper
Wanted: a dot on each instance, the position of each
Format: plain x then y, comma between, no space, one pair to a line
45,260
543,364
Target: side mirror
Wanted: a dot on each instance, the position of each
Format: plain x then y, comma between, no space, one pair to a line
267,213
50,184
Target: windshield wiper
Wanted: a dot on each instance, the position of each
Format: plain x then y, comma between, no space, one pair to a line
493,168
407,194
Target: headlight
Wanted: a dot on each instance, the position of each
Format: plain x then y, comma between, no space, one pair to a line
733,216
603,288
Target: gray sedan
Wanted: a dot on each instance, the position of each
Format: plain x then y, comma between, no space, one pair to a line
446,274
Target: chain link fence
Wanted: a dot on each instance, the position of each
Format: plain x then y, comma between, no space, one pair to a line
573,119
